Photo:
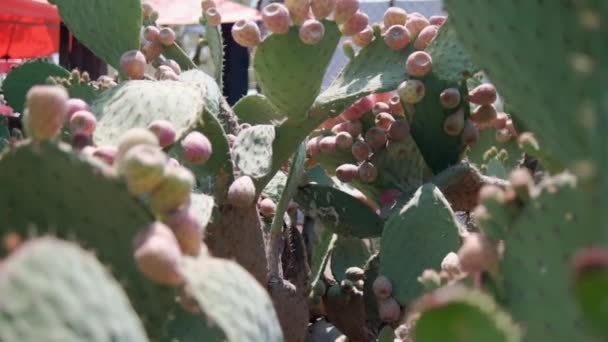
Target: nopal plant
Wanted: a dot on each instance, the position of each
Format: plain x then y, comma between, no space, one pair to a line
407,201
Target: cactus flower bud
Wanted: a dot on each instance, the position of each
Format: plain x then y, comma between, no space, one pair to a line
196,148
133,64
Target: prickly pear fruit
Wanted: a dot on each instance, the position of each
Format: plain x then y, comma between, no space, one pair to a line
152,51
380,107
173,65
322,8
396,108
344,140
522,182
415,24
484,94
214,18
388,197
147,10
133,64
364,37
399,130
411,91
276,18
451,264
46,111
354,128
384,120
134,137
430,279
425,37
207,4
186,228
143,167
395,16
344,10
312,147
166,36
368,172
437,20
477,254
241,193
174,189
470,133
503,135
397,37
106,153
450,98
151,33
355,24
298,9
361,150
382,287
484,116
157,255
164,131
501,120
389,310
196,148
165,73
246,33
419,64
83,122
75,105
376,137
354,273
454,123
311,32
327,144
347,172
267,208
358,109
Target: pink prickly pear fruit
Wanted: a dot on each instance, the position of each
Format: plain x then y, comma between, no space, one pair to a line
174,66
147,10
450,98
46,111
172,162
241,192
454,123
344,10
384,120
419,64
75,105
311,32
425,37
395,16
503,135
106,153
376,137
267,208
484,94
164,131
347,172
368,172
415,24
354,128
340,127
382,287
389,310
383,97
299,10
411,91
355,24
133,64
344,140
484,116
134,137
588,259
389,197
173,191
437,20
312,147
246,33
207,4
501,120
152,51
327,144
164,73
214,18
395,106
364,37
477,254
399,130
276,18
186,228
380,107
322,8
196,148
397,37
361,150
470,133
143,167
166,36
358,109
157,255
151,33
83,122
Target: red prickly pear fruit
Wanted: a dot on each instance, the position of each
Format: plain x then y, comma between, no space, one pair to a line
106,153
450,98
174,66
376,137
358,109
83,122
344,140
187,229
344,10
299,10
470,133
500,121
367,172
312,32
364,37
341,127
425,37
380,107
437,20
355,24
419,64
241,192
143,167
347,172
147,10
246,33
151,33
166,36
503,135
133,64
389,197
196,148
411,91
397,37
267,208
132,138
165,73
312,147
276,18
354,128
214,18
454,123
415,24
75,105
389,310
396,108
384,120
484,116
157,255
81,141
207,4
327,144
399,130
382,287
164,131
477,254
152,51
361,150
322,8
383,97
173,191
46,111
395,16
484,94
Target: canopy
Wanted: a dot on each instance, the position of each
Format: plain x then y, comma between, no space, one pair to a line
188,12
28,29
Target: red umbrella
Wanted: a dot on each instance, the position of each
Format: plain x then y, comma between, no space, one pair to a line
28,28
187,12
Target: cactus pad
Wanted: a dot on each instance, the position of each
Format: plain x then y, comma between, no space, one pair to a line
4,133
347,252
253,150
176,53
321,255
187,327
216,49
256,109
451,63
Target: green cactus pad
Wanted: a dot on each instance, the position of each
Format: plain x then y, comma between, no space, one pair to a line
139,103
109,28
340,212
296,171
187,327
216,49
590,286
347,252
256,109
219,286
176,53
253,150
387,334
90,206
19,81
275,187
321,255
203,207
487,140
4,133
372,270
451,62
211,92
53,290
290,72
423,233
496,168
464,315
84,92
